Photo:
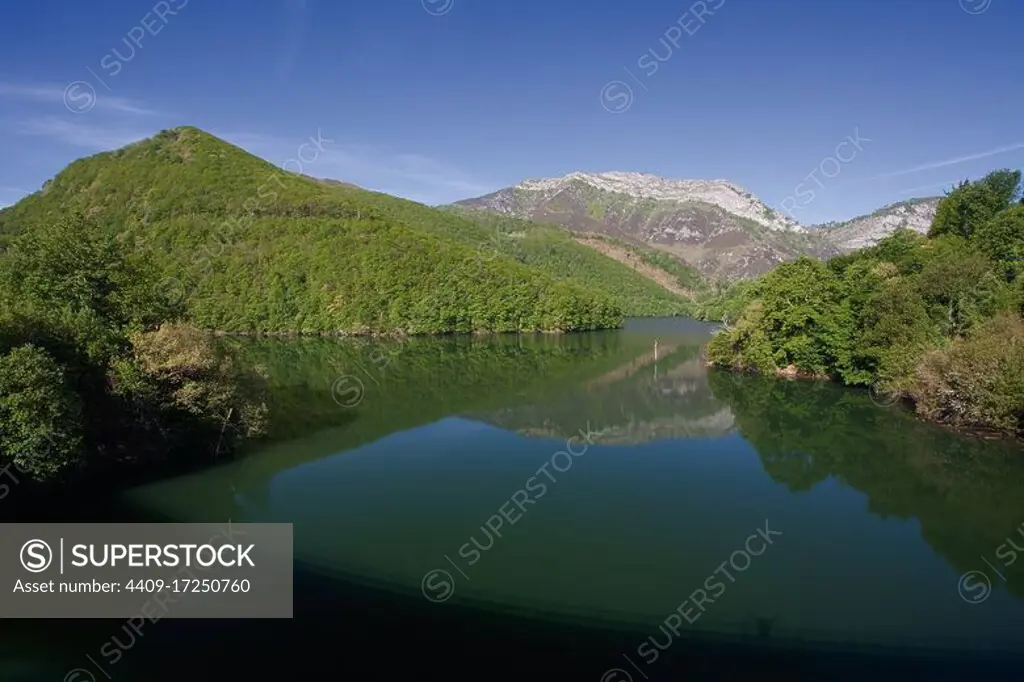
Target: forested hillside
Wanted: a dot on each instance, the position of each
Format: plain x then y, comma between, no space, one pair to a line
934,319
251,248
554,251
95,374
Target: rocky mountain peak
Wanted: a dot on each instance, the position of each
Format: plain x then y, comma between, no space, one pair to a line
868,230
644,186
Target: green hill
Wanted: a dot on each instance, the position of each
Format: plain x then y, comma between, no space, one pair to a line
252,248
554,250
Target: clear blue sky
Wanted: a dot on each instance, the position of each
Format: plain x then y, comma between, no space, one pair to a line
438,100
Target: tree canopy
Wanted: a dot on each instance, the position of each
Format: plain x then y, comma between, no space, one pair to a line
94,369
932,319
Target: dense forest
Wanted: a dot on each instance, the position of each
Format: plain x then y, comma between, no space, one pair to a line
935,320
111,275
95,370
552,249
250,248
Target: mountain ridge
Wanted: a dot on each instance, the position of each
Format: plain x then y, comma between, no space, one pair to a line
720,192
715,226
866,230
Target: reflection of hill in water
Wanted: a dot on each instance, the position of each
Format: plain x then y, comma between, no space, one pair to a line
409,384
964,492
641,401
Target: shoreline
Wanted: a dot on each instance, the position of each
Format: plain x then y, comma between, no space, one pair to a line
394,334
790,373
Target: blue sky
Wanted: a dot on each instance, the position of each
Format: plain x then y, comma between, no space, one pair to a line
438,100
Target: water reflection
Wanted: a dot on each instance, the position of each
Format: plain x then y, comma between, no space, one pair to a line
642,401
881,514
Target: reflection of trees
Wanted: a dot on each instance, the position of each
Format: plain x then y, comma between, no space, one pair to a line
409,384
415,382
422,379
639,402
796,469
964,492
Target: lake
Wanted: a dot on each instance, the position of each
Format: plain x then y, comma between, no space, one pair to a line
601,501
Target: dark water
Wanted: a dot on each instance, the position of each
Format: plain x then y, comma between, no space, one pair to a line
442,525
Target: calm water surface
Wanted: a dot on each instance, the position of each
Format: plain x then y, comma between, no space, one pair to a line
431,469
879,515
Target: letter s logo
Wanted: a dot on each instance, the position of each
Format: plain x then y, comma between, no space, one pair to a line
36,556
79,97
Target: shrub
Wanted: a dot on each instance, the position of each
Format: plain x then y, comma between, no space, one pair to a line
177,370
40,416
978,381
745,346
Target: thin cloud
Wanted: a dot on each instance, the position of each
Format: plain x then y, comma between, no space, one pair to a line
5,189
11,195
90,136
952,162
414,176
54,94
948,184
435,173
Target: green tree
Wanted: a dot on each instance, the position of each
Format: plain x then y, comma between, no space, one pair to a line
1005,184
970,205
796,318
71,276
935,319
957,285
903,248
894,330
1002,239
89,379
805,318
40,414
744,346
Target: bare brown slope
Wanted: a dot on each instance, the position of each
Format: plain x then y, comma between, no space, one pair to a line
652,273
